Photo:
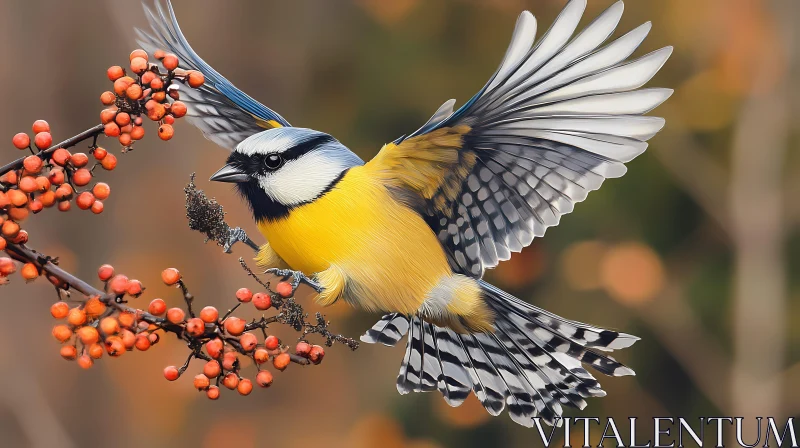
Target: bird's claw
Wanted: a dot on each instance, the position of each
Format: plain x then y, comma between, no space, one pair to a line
234,236
297,278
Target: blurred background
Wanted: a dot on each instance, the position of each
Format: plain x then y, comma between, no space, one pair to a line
693,250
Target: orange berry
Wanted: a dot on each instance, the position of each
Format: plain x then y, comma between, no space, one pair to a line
43,140
101,190
139,65
230,381
229,360
213,392
99,153
108,98
69,352
33,164
10,229
234,325
10,178
17,198
28,184
134,92
64,206
171,373
121,85
244,295
169,119
122,118
21,141
214,348
135,288
48,198
88,335
40,126
159,54
264,378
153,338
85,200
245,387
272,342
170,62
97,207
209,314
76,317
165,132
248,342
109,162
201,382
3,243
282,361
137,133
284,289
196,79
21,238
262,301
111,130
94,307
125,138
178,109
114,346
60,157
42,184
212,369
126,319
170,276
148,77
157,307
316,354
109,325
115,72
156,111
302,349
105,272
261,356
59,310
119,284
107,115
64,192
128,339
138,53
62,333
18,215
95,351
142,342
7,266
156,83
159,97
195,327
85,361
35,206
175,315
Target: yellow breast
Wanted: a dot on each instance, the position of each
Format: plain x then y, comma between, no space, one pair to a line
390,257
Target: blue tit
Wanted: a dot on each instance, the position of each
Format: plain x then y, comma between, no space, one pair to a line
411,232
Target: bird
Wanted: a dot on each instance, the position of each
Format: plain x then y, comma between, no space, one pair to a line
410,233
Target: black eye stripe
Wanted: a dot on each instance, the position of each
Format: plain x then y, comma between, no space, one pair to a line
259,163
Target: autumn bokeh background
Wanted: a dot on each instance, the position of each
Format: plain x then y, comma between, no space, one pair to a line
693,250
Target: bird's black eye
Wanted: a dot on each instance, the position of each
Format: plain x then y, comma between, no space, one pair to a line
273,161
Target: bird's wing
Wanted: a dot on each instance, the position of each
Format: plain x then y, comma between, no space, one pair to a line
555,120
224,114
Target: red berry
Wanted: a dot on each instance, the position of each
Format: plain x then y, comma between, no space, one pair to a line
101,191
108,98
245,387
69,352
21,141
264,378
59,310
272,342
175,315
209,314
40,126
85,200
282,361
97,207
244,295
142,342
196,79
261,356
230,381
214,348
111,130
170,276
171,373
79,160
105,272
157,307
195,327
212,369
170,62
248,342
213,392
165,132
316,354
60,157
109,162
135,288
139,65
303,349
43,140
99,153
262,301
118,284
115,72
234,325
284,289
178,109
229,360
201,382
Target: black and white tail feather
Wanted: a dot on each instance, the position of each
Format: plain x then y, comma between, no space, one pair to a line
555,120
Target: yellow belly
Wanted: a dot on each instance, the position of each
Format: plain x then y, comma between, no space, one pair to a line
389,256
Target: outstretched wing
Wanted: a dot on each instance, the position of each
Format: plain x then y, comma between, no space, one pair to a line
555,120
224,114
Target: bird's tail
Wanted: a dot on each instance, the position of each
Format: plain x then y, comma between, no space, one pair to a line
532,362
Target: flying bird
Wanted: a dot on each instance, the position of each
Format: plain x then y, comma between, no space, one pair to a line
411,232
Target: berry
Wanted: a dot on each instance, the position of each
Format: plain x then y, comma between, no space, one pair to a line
212,393
138,53
282,361
272,342
134,92
60,157
284,289
107,115
10,229
171,373
17,198
29,272
28,184
209,314
115,72
111,130
62,333
248,342
126,319
229,360
108,98
43,140
165,132
170,276
99,153
139,65
105,272
264,378
234,325
64,192
245,387
128,339
59,310
76,317
109,162
316,354
33,164
157,307
48,198
101,191
40,126
159,54
94,307
21,141
85,200
170,62
156,84
88,335
195,327
261,356
6,266
212,369
303,349
109,325
137,133
196,79
114,346
230,381
18,214
244,295
95,351
69,352
122,118
262,301
214,348
148,77
119,284
135,288
169,119
178,109
121,85
175,315
142,342
85,361
36,206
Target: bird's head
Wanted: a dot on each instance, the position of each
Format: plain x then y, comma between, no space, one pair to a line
283,168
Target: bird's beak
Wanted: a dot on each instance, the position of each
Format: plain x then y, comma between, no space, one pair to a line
229,174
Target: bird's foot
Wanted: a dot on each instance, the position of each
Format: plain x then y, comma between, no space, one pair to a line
236,235
297,278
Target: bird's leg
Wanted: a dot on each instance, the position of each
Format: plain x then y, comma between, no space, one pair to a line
297,278
236,235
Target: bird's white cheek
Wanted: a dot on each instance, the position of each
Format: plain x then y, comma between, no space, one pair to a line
300,181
